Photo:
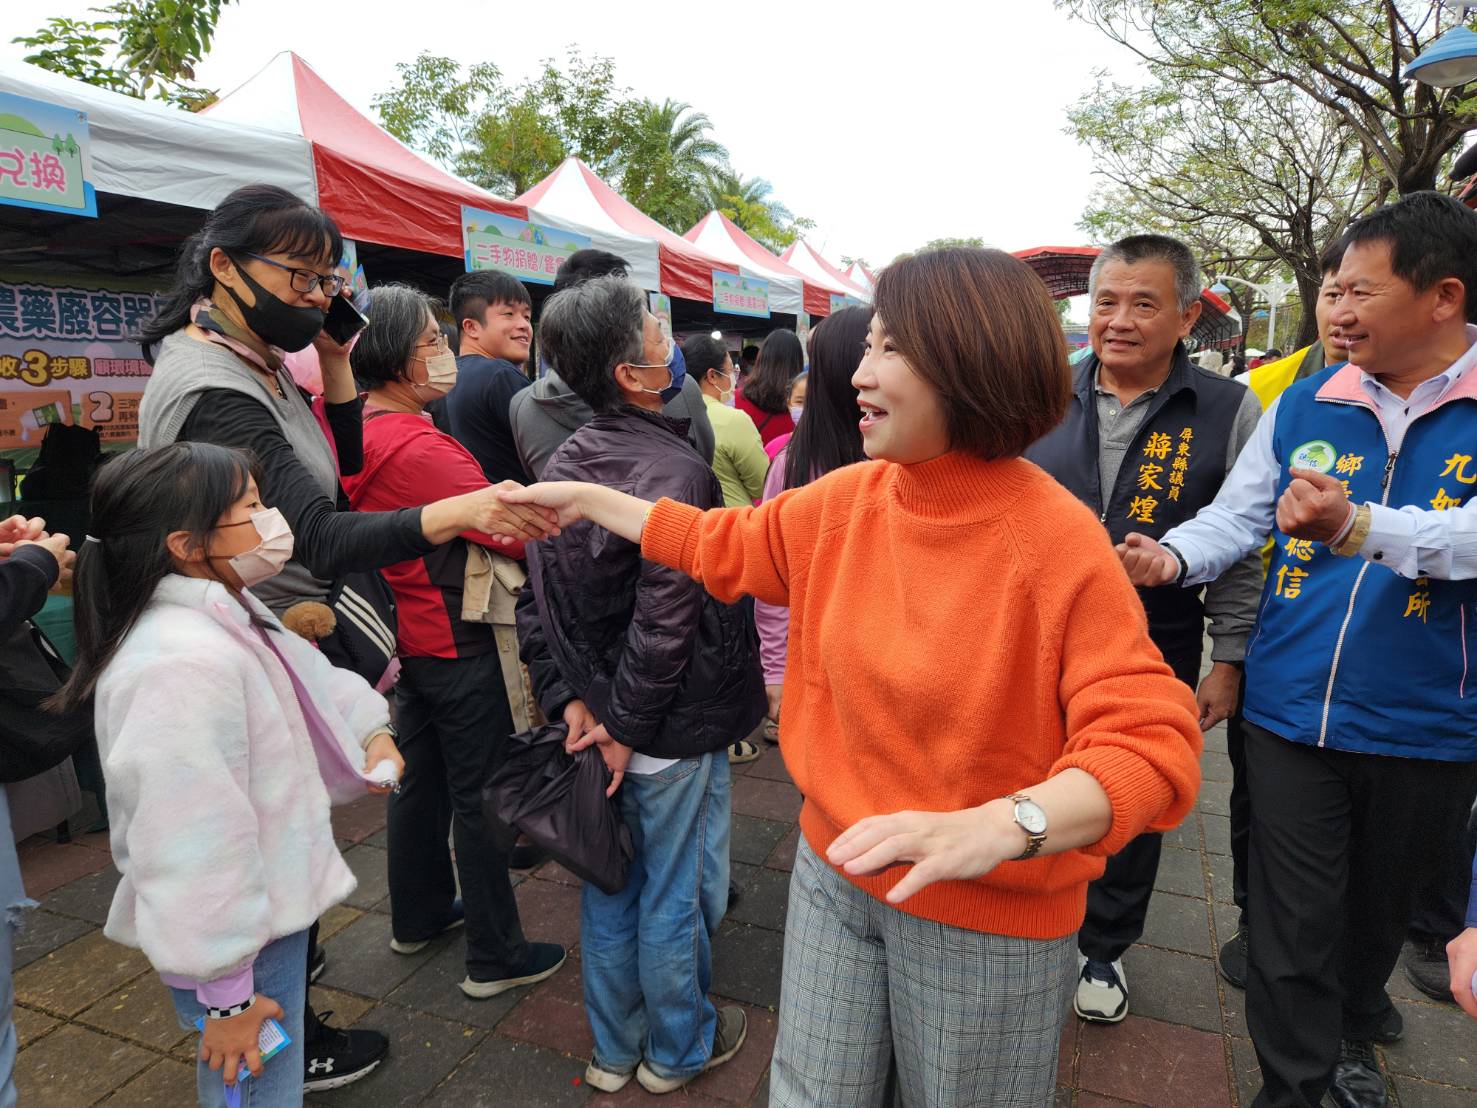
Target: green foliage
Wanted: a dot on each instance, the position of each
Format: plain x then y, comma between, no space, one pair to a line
945,243
136,47
663,158
1264,128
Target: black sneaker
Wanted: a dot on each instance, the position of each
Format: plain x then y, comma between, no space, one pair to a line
526,855
318,964
1232,961
333,1058
544,960
1358,1081
1428,970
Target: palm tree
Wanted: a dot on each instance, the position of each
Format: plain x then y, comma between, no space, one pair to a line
726,190
667,153
686,135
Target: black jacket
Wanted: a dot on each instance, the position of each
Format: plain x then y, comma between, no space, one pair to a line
667,669
1173,468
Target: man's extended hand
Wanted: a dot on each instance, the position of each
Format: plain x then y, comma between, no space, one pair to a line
1314,506
1148,564
1217,694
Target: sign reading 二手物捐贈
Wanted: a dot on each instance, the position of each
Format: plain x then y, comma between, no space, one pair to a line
740,294
45,157
529,251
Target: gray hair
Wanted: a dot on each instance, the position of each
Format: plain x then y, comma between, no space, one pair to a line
589,329
1154,248
397,316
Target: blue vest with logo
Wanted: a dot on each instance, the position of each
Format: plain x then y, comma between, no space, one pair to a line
1346,653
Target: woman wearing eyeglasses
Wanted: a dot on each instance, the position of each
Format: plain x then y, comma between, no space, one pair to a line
254,283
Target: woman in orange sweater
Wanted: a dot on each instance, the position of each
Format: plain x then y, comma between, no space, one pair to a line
971,689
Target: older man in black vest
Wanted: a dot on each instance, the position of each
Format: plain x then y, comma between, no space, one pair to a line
1146,443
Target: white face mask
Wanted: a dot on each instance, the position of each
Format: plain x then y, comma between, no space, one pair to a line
796,413
271,553
440,373
726,396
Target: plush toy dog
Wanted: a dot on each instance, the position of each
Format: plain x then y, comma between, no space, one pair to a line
310,620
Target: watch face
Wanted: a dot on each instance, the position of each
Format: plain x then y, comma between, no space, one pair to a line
1030,815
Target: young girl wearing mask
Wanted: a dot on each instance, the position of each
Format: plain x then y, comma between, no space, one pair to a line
451,702
224,740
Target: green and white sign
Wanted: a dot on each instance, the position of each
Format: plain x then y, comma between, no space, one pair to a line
45,157
529,251
739,294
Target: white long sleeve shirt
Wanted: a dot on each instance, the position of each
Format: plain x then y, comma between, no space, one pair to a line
1412,541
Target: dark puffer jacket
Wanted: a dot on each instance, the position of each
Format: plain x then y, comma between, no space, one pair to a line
667,669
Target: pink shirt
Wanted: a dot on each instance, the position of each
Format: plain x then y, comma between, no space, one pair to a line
773,621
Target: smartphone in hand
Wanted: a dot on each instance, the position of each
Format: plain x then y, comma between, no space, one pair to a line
344,321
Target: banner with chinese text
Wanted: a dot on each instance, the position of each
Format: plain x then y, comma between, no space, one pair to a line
661,307
65,358
528,251
45,157
740,294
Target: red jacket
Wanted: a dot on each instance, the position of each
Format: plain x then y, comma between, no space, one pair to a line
407,463
771,426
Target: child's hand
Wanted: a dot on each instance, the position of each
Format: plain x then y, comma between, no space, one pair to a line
381,748
226,1042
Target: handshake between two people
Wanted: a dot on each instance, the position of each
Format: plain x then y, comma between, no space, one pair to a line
19,531
1314,506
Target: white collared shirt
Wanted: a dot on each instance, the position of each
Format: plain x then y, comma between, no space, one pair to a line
1412,541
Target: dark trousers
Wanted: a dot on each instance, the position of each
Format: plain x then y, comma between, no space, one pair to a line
1441,903
453,720
1118,901
1240,805
1339,846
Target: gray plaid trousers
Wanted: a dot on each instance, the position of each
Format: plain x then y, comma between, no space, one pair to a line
973,1019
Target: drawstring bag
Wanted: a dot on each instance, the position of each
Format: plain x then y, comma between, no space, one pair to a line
558,801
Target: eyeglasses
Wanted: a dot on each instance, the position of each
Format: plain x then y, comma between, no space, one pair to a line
305,280
439,342
671,352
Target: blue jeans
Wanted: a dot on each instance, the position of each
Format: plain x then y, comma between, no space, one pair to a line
279,975
647,951
12,902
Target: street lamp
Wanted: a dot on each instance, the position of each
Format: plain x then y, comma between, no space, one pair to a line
1273,292
1450,61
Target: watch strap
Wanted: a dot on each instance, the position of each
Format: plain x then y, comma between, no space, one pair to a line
1035,840
1180,558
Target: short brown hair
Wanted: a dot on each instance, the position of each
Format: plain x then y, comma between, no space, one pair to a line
979,326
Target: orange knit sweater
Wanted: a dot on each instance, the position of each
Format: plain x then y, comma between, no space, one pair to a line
959,629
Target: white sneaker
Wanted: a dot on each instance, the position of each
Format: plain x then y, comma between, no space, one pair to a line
607,1081
1102,991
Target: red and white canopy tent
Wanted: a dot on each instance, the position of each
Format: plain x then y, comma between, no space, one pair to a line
790,290
1064,271
574,198
861,276
804,257
376,188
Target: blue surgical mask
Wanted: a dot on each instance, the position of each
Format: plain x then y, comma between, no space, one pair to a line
676,366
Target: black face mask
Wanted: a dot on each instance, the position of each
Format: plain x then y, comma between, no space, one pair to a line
274,321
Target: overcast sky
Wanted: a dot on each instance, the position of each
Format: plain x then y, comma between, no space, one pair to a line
888,125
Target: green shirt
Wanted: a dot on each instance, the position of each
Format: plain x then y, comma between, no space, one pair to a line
738,454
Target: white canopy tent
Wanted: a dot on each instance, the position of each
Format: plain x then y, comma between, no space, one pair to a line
151,151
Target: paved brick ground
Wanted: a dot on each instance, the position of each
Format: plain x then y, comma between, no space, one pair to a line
95,1026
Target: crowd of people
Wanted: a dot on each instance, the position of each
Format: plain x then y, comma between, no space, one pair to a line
965,586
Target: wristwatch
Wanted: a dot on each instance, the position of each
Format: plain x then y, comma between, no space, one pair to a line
1030,817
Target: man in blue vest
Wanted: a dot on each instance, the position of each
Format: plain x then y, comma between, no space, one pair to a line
1146,444
1361,706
